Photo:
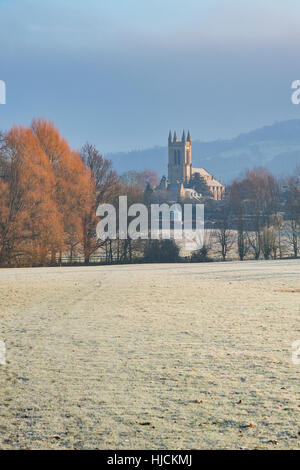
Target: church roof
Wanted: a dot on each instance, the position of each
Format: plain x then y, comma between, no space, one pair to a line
202,171
211,181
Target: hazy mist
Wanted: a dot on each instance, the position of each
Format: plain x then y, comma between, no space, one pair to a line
120,74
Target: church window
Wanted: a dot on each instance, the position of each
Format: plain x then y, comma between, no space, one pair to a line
177,157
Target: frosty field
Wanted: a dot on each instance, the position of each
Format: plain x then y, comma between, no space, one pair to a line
182,356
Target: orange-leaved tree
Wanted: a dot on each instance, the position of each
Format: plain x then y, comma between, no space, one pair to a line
29,222
75,188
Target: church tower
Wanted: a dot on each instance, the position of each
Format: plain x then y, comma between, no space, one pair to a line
180,158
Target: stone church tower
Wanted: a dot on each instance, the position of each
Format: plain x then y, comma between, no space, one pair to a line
180,159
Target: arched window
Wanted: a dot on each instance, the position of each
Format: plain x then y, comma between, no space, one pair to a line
177,157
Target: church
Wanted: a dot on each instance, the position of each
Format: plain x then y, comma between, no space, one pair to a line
184,181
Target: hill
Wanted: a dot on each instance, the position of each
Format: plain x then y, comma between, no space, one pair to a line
276,146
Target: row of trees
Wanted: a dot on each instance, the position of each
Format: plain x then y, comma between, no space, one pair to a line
260,216
49,194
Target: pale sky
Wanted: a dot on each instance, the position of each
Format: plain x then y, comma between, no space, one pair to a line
120,73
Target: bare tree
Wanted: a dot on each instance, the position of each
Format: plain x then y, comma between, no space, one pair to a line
106,180
261,199
202,255
140,179
291,231
268,242
223,233
292,207
278,224
235,194
107,188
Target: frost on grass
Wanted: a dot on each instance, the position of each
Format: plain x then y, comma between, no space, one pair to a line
151,356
